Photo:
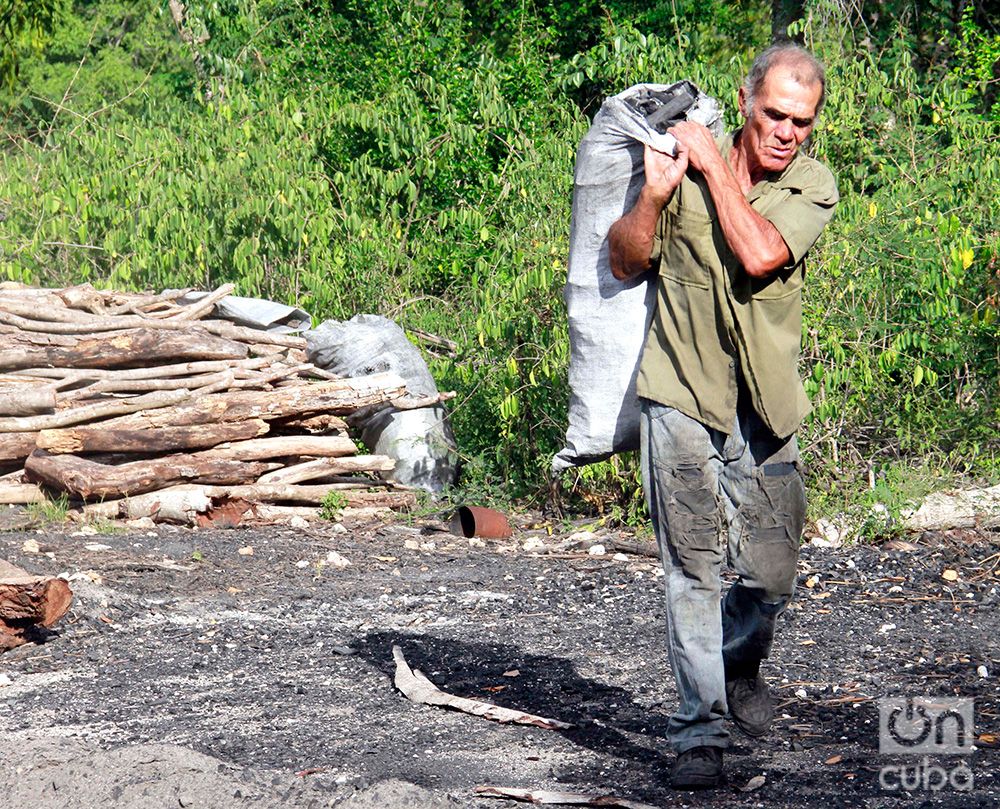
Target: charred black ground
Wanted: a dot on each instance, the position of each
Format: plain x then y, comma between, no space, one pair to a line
190,674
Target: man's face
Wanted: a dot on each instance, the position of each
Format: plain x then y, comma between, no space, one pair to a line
783,115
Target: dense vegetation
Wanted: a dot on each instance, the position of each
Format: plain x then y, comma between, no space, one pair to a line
415,159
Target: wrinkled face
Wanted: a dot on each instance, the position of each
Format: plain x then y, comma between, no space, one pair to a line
783,115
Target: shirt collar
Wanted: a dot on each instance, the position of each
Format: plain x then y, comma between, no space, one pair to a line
725,143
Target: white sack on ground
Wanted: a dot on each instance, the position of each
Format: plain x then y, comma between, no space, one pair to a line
420,441
608,319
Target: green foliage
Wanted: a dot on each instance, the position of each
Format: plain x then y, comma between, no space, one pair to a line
415,160
611,489
628,55
901,315
112,59
107,527
50,511
24,27
333,503
977,54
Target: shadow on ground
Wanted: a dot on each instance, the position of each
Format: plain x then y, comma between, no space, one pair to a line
606,718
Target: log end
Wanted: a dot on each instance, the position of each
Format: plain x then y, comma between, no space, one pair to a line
57,598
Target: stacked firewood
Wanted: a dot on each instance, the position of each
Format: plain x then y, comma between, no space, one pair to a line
147,406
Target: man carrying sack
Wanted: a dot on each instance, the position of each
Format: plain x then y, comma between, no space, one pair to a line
726,224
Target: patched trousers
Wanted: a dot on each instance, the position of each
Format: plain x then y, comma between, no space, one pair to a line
712,494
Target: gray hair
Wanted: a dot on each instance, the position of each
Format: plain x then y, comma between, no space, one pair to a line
806,70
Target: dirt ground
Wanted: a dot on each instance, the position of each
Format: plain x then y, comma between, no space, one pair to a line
191,674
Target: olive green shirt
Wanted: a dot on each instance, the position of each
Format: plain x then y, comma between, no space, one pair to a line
713,321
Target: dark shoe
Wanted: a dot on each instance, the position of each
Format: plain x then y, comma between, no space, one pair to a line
697,768
750,705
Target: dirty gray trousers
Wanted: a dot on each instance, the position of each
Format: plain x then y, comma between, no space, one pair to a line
710,493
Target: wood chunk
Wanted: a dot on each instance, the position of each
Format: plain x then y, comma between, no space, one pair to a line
93,412
223,328
285,446
85,296
69,375
205,304
182,503
103,387
334,396
27,601
224,514
942,511
314,494
318,424
179,504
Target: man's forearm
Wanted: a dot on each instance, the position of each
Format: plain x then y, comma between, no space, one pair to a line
754,241
630,239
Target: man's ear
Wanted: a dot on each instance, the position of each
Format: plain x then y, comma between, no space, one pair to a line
742,102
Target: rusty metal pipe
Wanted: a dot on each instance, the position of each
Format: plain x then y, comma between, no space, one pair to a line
476,521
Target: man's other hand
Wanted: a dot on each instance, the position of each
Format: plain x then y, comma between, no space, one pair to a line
697,141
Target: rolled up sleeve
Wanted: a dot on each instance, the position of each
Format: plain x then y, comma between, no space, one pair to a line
802,215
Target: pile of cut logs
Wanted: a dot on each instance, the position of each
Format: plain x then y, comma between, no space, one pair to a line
147,406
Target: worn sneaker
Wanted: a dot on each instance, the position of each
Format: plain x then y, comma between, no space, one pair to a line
750,705
697,768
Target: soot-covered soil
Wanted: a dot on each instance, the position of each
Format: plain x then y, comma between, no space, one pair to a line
189,674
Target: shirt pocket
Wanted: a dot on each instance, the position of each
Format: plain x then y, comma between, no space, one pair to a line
779,285
688,247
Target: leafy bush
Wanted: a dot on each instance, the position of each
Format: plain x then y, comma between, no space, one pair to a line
901,335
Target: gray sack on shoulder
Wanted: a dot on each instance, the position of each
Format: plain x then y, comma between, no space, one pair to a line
608,319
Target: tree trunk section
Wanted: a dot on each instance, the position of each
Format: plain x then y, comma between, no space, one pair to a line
146,442
943,511
21,494
188,369
16,446
86,479
93,412
182,504
336,396
319,424
127,349
285,446
26,399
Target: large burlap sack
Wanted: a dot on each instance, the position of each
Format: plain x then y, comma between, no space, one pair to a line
608,319
421,441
